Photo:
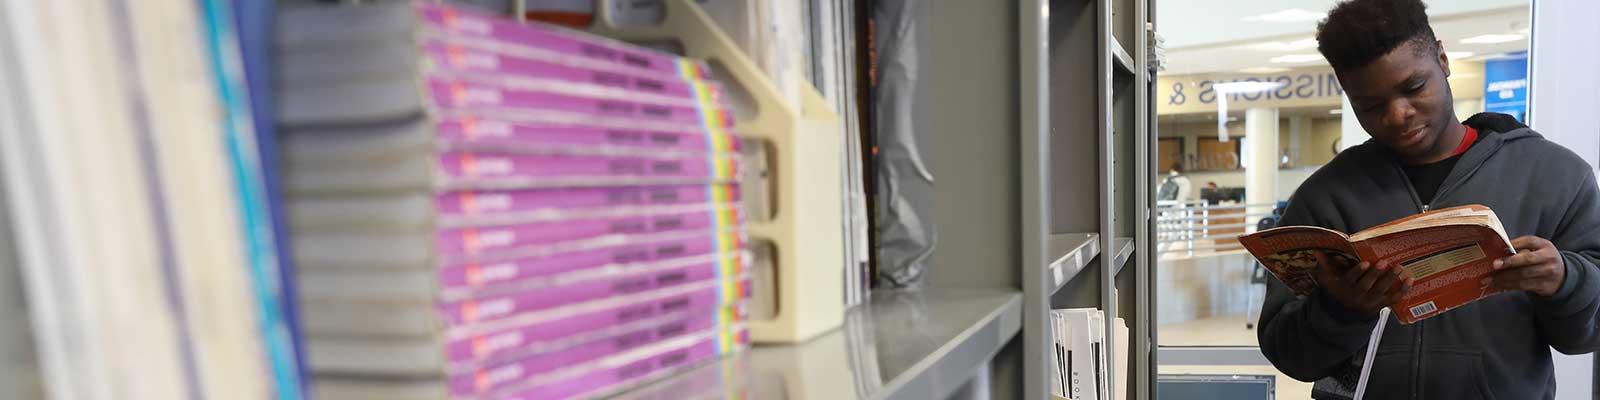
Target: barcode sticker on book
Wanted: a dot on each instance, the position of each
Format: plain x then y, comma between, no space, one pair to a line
1423,309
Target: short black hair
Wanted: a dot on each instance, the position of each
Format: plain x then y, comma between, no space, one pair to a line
1358,32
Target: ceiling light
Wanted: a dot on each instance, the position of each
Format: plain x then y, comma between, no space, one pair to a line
1289,15
1263,70
1296,58
1302,44
1336,111
1459,55
1492,38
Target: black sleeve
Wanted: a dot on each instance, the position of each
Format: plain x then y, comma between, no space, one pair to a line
1308,337
1569,319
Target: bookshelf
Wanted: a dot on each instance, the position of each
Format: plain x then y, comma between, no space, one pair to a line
1092,124
1035,120
899,345
1034,132
958,330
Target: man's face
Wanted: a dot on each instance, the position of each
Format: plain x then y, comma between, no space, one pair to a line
1403,99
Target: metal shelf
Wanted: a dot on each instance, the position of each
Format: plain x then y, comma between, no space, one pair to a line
1070,253
1124,249
1123,61
898,345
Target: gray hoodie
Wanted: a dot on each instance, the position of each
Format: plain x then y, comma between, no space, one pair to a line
1495,348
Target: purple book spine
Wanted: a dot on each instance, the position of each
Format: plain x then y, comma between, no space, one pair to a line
475,241
459,58
470,276
495,307
448,93
488,131
497,347
651,307
461,166
456,21
486,202
487,379
612,377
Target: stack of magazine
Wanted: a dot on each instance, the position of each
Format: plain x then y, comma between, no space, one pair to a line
483,208
1083,358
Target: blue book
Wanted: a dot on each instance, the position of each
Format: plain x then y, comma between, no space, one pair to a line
239,54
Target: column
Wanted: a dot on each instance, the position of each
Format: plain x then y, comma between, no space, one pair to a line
1261,176
1299,133
1350,132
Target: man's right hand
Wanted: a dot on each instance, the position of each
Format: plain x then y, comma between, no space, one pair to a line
1362,288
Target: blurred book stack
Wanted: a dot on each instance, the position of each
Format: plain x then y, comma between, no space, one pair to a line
488,209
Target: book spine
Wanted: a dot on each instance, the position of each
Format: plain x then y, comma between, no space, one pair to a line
491,349
454,21
458,92
233,54
460,58
477,275
642,306
476,241
487,379
489,132
605,377
688,71
494,307
467,168
476,203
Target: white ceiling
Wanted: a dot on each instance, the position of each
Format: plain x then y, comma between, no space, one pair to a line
1206,36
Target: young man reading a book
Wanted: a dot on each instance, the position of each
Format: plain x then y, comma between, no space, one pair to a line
1394,72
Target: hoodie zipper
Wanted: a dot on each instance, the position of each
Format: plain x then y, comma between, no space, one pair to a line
1416,350
1416,340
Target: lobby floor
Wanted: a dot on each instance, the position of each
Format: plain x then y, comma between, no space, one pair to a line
1224,331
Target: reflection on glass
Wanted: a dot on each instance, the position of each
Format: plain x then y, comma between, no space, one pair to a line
1247,109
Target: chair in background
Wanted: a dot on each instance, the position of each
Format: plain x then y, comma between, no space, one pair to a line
1258,273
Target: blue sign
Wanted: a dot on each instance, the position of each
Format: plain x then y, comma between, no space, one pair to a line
1505,85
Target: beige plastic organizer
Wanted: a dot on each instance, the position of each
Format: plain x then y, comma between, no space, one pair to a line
805,158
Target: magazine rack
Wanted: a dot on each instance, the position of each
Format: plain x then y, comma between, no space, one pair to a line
803,144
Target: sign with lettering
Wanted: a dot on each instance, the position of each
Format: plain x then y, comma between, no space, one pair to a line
1182,94
1505,85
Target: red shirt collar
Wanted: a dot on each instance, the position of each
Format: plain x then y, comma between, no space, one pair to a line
1467,139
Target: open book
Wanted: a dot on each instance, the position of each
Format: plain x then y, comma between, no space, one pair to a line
1449,252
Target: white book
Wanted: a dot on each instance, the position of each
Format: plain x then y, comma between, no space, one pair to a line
1086,354
126,227
1102,355
1061,340
1121,357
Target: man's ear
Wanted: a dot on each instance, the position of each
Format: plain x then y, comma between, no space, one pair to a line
1444,59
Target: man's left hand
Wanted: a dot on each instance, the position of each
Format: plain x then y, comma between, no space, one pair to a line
1537,267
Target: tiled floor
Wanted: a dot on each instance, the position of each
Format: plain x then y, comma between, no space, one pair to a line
1217,331
1224,331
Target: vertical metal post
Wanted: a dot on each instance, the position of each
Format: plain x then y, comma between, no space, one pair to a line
1034,127
1108,233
